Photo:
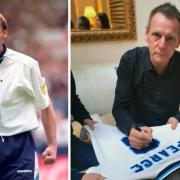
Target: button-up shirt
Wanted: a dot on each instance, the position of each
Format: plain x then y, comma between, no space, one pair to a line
143,96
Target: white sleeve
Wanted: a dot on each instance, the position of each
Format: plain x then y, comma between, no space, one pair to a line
38,87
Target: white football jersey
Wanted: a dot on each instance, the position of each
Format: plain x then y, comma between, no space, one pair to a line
22,92
119,161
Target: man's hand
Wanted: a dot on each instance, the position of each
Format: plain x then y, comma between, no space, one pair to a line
49,155
140,140
173,121
90,123
49,122
92,176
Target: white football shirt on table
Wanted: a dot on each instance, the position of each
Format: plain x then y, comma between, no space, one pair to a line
118,161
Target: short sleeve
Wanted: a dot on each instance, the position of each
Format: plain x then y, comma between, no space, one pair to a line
38,87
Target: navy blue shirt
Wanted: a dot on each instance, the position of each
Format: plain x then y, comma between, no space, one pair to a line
142,96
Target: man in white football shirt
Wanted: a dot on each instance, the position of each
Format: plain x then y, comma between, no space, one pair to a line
23,91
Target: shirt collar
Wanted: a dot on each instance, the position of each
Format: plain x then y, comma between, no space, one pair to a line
2,54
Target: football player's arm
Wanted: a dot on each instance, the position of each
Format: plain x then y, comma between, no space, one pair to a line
92,176
49,122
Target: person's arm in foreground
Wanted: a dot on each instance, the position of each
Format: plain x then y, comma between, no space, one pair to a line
92,176
78,110
75,175
49,123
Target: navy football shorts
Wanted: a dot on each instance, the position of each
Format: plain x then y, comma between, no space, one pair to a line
18,159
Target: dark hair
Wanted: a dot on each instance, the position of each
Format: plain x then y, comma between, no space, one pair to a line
83,23
3,22
104,20
167,9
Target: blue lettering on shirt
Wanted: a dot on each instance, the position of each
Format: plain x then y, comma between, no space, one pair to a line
179,144
155,158
137,168
147,163
164,153
173,148
167,152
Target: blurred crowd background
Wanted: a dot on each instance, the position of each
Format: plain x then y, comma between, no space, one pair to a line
38,28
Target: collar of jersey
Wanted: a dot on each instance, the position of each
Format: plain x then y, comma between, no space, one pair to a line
2,54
